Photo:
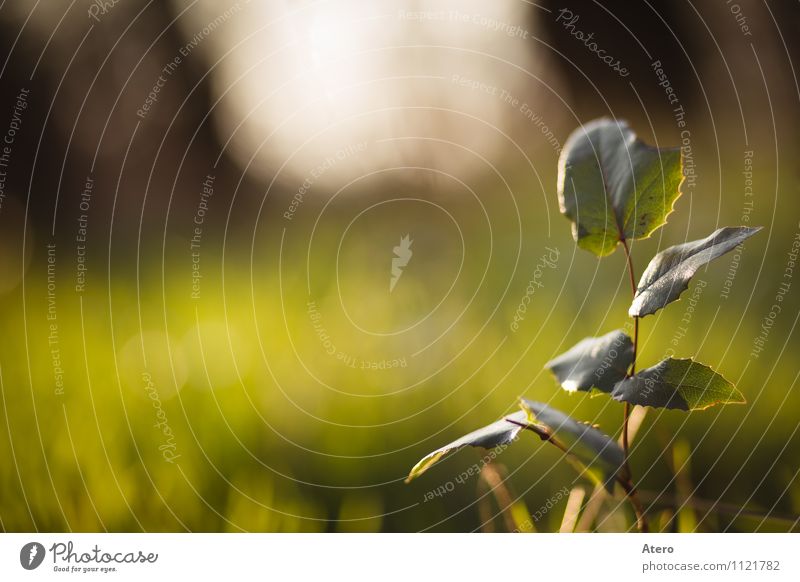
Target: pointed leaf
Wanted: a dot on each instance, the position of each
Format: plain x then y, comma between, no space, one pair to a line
668,274
678,384
600,454
594,362
613,186
498,433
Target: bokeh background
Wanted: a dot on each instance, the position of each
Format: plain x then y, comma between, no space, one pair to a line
198,210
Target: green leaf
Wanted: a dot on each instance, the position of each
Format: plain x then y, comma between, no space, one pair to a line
613,186
498,433
678,384
594,362
599,454
668,274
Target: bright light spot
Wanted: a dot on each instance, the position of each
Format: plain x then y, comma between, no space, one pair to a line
330,38
298,81
570,385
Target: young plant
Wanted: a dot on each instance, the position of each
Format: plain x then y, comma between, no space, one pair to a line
614,188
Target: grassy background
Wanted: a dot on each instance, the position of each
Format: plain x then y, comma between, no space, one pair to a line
273,432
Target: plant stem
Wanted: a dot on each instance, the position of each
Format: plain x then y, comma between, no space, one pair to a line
623,480
494,481
631,275
641,521
627,411
626,416
630,490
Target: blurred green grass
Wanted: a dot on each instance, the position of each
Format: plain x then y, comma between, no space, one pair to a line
275,434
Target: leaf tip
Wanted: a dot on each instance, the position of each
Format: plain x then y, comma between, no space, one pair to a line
423,465
736,397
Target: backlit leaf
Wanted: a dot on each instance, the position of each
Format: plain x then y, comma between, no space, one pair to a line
498,433
594,362
668,274
613,186
679,384
599,454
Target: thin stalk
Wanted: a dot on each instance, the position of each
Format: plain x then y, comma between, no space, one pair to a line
626,414
626,417
627,411
630,490
624,481
494,481
641,522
